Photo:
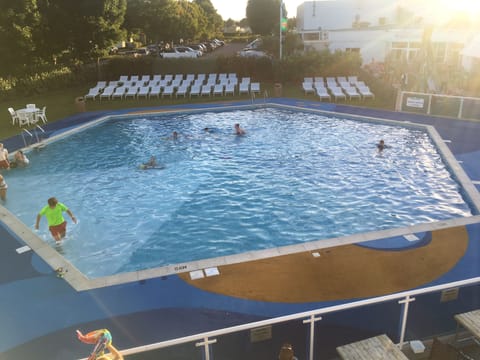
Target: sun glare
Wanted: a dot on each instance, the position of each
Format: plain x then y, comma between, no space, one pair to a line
462,5
446,9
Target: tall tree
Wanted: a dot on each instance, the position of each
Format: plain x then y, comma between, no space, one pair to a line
263,16
18,20
214,24
166,20
79,30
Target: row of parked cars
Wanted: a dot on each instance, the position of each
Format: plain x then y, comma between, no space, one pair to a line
176,51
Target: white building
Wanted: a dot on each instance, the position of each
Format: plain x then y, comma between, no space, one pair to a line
370,28
343,14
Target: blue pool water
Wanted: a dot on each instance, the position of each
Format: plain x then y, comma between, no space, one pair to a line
294,177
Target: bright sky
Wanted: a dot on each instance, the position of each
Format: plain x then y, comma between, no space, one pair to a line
235,9
441,10
438,10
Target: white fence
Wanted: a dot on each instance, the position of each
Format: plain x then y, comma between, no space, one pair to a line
207,339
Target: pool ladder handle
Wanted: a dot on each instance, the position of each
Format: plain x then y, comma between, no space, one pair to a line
30,133
265,96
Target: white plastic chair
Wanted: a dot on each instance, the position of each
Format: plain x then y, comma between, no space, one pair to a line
41,115
14,116
31,106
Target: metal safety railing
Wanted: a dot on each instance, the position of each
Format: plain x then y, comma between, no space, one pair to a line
207,339
32,135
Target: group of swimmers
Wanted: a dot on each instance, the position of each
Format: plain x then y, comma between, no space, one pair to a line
152,162
19,160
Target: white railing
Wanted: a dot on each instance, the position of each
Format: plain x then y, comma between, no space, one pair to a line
418,101
309,317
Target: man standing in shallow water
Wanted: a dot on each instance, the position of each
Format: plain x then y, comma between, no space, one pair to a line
54,214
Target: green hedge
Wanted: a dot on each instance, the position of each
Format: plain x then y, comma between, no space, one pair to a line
42,82
291,69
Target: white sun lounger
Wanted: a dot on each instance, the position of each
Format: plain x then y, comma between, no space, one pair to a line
119,92
107,92
195,90
182,90
365,92
244,88
155,91
93,93
322,93
218,89
352,93
230,89
337,93
131,91
308,88
255,87
206,90
169,90
144,79
143,91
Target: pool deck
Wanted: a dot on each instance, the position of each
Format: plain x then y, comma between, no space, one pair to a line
40,310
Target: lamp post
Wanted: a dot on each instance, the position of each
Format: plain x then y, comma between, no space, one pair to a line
280,33
283,27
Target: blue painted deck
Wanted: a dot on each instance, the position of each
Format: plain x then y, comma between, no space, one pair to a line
40,311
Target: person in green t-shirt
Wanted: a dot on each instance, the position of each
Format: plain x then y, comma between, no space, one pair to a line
54,214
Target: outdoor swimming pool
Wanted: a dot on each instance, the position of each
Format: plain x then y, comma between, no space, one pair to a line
295,177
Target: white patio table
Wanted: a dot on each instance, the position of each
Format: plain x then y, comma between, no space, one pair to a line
27,115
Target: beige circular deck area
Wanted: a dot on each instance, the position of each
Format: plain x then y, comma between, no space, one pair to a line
340,273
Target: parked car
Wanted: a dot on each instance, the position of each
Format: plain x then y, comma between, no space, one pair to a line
254,45
153,49
197,48
208,46
219,42
253,53
189,49
141,52
178,52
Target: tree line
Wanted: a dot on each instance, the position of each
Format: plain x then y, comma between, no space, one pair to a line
36,34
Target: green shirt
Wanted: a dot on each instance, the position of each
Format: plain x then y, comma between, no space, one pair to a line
54,216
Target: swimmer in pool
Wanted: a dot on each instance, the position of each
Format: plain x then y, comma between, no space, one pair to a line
381,146
239,130
150,164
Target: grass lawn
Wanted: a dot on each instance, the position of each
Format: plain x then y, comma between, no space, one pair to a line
61,103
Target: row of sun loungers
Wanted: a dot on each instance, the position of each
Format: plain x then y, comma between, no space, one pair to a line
168,85
339,88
